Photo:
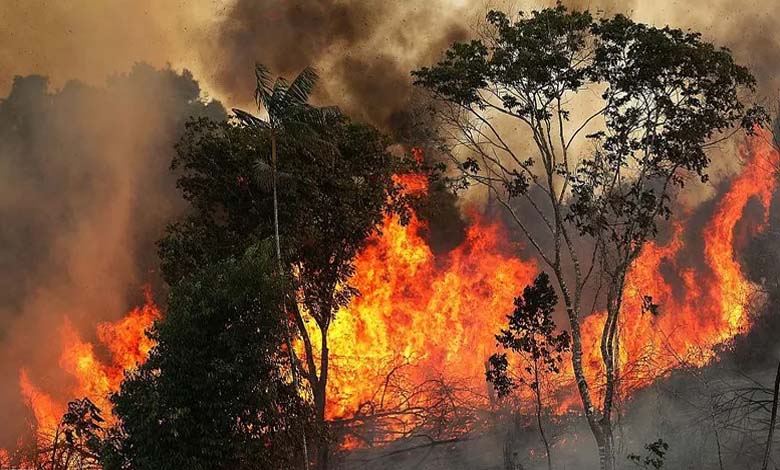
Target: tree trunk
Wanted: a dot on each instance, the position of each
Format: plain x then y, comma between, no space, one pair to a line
320,401
607,448
582,384
276,202
538,393
606,459
288,338
772,421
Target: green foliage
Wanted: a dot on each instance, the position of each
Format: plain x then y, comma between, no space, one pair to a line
331,184
665,96
655,457
214,393
328,204
533,335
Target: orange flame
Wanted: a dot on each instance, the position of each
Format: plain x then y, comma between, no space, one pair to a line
441,312
94,378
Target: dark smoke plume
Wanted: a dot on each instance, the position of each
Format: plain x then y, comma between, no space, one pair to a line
364,49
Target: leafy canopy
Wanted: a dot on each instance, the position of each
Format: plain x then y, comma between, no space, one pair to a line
532,334
661,97
214,393
328,207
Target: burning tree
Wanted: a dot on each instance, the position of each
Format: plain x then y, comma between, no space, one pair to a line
618,115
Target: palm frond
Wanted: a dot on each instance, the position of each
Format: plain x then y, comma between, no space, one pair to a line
300,89
249,119
305,132
320,117
264,88
278,108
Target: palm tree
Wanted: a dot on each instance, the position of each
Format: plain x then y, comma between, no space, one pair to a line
291,124
289,114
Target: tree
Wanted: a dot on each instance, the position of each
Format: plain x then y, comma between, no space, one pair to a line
75,443
334,196
653,101
533,335
289,115
288,111
215,392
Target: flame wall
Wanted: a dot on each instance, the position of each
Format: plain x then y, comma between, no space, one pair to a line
439,313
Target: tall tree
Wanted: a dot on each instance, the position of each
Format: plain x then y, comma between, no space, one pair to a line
533,336
214,392
617,115
335,193
291,120
287,109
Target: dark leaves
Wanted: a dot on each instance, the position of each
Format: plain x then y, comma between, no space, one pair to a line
655,457
666,96
533,335
516,185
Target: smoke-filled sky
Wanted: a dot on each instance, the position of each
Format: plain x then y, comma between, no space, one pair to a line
84,153
365,48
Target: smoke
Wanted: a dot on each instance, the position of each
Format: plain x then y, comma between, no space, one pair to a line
364,49
85,192
84,182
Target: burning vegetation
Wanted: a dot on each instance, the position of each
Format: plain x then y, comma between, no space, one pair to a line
308,318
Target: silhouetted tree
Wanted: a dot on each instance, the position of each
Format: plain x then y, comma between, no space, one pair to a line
533,336
335,193
75,444
290,115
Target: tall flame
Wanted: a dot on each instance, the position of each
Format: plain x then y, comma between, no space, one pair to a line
93,377
440,312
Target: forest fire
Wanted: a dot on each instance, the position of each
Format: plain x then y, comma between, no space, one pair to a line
708,306
93,377
401,235
441,314
438,313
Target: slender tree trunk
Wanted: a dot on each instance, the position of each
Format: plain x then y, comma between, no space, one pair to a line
276,201
320,401
288,336
609,350
579,373
772,421
538,393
